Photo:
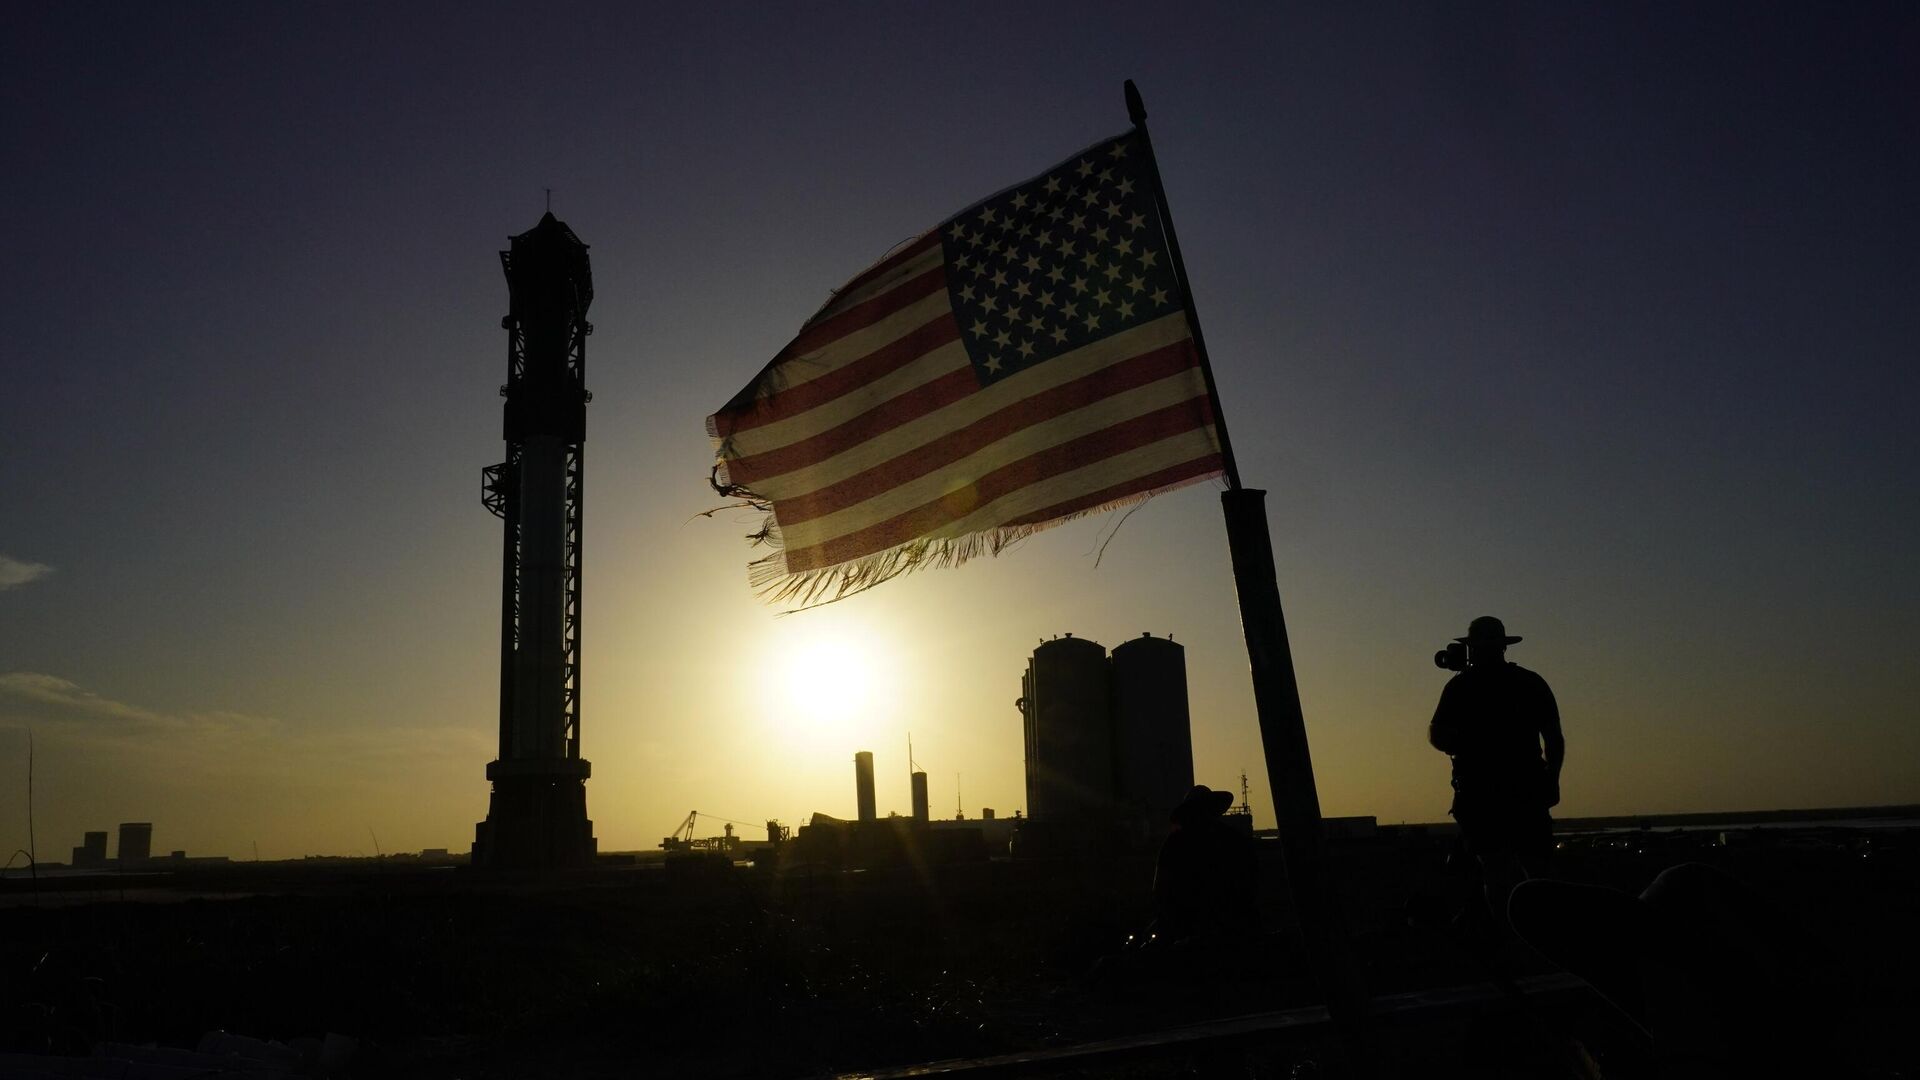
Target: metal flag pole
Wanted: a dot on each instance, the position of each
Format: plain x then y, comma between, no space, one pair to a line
1276,693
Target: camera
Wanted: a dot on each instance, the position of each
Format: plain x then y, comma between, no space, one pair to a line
1453,657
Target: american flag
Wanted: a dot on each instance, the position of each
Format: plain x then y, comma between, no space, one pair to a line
1027,361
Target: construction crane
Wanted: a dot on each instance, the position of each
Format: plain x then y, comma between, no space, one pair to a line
682,838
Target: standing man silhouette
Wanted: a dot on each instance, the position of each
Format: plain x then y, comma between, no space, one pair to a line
1494,720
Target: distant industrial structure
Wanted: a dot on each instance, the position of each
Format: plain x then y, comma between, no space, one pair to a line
92,851
136,841
863,798
1109,755
871,839
537,813
1109,747
135,851
916,779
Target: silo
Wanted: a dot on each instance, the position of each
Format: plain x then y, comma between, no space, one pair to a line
1153,738
1068,730
136,841
920,797
863,783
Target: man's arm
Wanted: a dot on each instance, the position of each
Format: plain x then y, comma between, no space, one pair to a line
1443,731
1554,741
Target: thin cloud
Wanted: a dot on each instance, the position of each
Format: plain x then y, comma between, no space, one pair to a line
14,573
56,705
28,695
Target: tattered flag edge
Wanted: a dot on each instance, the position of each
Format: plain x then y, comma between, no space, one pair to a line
770,581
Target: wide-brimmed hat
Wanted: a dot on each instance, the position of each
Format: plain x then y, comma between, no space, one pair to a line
1203,801
1487,629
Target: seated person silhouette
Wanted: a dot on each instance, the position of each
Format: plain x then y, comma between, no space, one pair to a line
1204,879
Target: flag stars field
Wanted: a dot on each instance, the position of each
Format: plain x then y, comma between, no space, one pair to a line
1103,184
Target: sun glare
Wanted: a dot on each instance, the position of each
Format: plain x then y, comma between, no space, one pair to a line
832,685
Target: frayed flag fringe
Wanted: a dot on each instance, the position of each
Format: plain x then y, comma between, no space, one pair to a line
771,582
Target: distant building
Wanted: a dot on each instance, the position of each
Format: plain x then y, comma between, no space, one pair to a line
92,852
136,842
1350,828
1108,739
995,834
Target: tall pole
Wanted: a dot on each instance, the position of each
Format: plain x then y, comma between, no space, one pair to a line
1276,692
1137,112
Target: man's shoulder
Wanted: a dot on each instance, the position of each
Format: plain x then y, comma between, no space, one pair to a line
1526,675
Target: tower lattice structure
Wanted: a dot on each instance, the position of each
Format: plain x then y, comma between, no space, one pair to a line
537,812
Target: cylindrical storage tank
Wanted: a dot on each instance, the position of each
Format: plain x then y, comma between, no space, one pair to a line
96,845
1069,731
863,784
1153,737
920,797
136,841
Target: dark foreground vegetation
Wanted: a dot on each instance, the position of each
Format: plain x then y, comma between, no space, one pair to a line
737,972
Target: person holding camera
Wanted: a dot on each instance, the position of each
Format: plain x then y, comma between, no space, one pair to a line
1499,724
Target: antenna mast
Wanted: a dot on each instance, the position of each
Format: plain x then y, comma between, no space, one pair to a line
33,849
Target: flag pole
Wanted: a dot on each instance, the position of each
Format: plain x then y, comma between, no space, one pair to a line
1276,692
1137,112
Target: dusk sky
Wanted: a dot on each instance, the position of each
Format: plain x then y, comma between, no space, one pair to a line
1598,318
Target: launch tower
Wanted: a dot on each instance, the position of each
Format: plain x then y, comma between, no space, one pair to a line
537,814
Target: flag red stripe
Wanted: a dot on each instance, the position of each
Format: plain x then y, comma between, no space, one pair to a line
798,399
872,273
1186,470
905,409
1134,371
1075,454
825,332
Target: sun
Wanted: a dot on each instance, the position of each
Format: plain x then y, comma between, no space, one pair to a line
832,683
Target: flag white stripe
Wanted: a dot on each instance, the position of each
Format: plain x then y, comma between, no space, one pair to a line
1058,371
1064,487
847,348
899,275
1097,416
1095,476
830,414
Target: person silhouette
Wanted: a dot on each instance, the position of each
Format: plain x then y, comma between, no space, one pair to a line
1203,880
1494,720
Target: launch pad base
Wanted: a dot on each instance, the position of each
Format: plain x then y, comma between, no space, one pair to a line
536,817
